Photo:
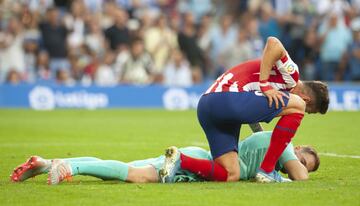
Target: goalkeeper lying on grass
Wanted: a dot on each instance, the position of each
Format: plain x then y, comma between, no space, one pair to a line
295,161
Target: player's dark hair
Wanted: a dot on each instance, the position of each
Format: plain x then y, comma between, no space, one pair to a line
320,93
310,150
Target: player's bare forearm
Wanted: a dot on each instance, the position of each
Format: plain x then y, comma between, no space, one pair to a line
256,127
296,170
273,51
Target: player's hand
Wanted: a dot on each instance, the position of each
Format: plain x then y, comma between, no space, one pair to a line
275,96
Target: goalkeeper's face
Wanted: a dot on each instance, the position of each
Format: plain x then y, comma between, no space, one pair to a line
306,158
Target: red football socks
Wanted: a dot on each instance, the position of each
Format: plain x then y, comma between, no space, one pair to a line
209,170
283,133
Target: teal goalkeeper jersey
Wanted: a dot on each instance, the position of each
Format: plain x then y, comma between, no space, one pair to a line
252,151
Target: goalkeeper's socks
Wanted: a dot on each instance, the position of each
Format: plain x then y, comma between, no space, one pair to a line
81,159
103,169
284,131
209,170
45,170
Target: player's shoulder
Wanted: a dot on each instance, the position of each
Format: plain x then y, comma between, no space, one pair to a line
288,154
286,65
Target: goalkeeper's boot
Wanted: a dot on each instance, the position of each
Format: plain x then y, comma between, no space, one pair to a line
35,165
59,171
171,165
274,176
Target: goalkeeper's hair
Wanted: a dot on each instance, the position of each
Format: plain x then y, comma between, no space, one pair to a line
320,93
310,150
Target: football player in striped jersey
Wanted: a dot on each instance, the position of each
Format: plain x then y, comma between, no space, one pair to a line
251,92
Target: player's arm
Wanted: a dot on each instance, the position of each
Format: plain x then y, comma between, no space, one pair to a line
273,52
256,127
296,170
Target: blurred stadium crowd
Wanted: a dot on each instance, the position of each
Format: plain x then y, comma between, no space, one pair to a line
173,42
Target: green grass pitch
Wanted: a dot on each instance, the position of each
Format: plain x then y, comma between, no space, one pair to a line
135,134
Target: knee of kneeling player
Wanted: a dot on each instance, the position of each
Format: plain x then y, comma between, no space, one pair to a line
233,176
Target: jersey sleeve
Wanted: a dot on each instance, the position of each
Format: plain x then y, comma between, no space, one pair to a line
287,155
288,70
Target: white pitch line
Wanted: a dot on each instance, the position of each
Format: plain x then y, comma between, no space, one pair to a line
339,155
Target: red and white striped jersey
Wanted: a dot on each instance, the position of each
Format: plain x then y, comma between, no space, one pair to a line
284,75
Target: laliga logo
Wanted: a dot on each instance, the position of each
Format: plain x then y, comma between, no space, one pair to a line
42,98
179,99
290,68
